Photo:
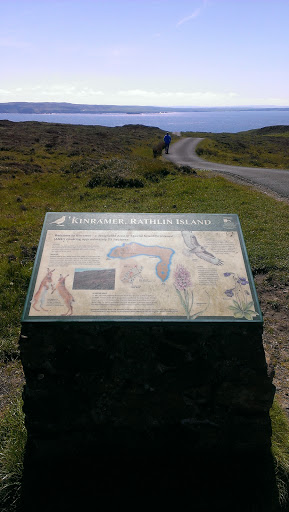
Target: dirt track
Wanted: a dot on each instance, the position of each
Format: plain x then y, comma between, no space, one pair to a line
274,180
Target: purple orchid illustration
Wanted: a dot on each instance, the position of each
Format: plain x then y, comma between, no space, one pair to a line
182,283
182,278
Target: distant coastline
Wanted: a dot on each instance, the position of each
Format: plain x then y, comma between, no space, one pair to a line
73,108
215,121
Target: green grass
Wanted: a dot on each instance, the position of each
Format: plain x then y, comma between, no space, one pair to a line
266,147
12,445
61,184
280,451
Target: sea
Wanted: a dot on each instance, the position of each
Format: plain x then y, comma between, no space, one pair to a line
231,121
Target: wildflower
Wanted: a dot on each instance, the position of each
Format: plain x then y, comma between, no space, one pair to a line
229,293
227,274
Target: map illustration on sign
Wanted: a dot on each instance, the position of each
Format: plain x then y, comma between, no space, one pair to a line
130,273
132,250
187,267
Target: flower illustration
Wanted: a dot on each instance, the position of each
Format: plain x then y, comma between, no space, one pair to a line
182,281
241,306
243,281
182,278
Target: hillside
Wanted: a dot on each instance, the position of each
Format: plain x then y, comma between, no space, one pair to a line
23,107
39,147
70,108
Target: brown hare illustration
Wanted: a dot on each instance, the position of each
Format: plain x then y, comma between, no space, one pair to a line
42,290
64,294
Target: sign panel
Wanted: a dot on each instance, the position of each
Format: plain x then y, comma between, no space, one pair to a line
121,266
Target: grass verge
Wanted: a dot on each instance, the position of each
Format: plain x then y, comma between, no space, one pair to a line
265,147
12,445
280,451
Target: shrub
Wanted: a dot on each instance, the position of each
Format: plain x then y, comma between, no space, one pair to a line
186,169
115,181
81,165
155,175
115,173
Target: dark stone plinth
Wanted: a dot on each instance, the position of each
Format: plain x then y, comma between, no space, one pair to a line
150,407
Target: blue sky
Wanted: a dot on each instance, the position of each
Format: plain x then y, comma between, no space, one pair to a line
145,52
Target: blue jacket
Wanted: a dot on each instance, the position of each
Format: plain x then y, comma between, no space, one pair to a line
167,139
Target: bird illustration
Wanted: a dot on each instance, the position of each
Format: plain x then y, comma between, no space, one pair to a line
60,221
195,248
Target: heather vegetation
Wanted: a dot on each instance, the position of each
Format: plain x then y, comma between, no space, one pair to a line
52,167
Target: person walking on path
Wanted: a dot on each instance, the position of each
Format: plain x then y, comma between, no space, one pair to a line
167,141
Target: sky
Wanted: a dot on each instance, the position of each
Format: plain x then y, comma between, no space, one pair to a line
145,52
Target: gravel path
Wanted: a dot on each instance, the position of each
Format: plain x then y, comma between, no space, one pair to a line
275,180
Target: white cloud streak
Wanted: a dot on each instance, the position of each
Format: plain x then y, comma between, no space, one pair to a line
192,16
167,98
208,95
69,90
60,92
80,93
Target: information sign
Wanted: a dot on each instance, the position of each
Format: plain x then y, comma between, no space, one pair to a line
128,266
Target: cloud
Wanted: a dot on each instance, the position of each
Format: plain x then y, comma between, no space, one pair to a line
194,98
143,93
195,14
70,91
175,94
75,92
56,92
